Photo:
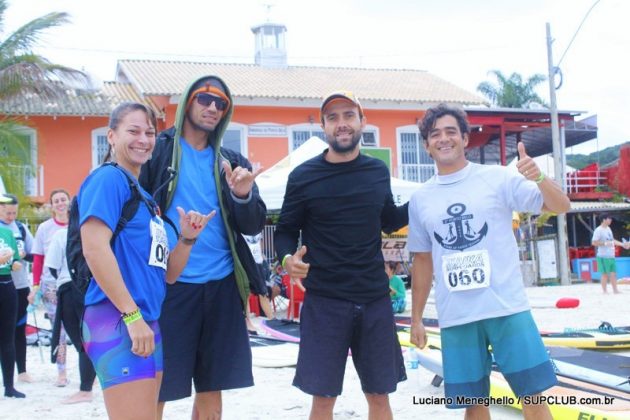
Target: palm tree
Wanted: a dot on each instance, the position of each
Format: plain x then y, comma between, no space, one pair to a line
22,71
512,92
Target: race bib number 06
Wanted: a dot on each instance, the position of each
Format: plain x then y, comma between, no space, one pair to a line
159,245
466,270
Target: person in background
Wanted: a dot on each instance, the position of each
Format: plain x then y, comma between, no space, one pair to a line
397,291
69,312
60,202
24,239
276,283
9,261
605,242
254,242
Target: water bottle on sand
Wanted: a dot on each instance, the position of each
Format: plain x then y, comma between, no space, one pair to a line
412,365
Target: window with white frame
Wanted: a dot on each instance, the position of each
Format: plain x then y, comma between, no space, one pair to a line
370,136
99,146
299,133
414,163
235,138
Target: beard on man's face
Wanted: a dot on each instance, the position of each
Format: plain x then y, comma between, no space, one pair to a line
339,148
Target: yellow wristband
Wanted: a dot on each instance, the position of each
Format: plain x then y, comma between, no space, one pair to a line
284,259
132,317
540,178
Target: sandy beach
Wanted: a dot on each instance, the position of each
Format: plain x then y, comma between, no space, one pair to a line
273,397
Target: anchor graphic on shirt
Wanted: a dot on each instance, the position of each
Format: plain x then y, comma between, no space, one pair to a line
461,234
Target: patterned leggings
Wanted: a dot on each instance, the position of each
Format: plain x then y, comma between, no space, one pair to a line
49,298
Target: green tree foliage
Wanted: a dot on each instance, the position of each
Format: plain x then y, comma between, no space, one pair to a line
512,92
604,157
23,71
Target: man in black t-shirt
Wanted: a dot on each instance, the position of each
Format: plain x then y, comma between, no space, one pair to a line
341,200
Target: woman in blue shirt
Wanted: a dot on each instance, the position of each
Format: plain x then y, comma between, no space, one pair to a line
120,329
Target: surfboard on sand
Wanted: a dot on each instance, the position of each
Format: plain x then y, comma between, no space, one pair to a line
603,337
283,329
272,352
570,399
604,369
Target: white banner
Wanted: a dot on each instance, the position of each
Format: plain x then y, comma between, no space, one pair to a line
395,249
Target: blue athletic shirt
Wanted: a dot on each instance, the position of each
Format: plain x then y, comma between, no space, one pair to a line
102,195
210,258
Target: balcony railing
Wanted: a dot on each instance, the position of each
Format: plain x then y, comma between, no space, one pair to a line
586,181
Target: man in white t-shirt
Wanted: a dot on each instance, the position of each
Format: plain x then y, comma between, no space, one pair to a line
605,242
460,229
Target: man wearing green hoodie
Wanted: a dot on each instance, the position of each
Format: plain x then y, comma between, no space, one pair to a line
203,323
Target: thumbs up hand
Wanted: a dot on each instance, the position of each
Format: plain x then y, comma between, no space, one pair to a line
526,164
295,267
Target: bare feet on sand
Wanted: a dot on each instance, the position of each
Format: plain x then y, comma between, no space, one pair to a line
62,381
25,378
79,397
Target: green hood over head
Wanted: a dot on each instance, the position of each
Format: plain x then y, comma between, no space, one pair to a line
214,138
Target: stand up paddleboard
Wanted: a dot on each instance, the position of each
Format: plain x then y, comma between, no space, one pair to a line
604,337
282,329
570,399
273,353
604,369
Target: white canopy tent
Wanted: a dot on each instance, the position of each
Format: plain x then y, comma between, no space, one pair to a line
272,182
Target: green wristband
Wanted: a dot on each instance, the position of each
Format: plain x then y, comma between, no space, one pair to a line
284,259
540,178
132,317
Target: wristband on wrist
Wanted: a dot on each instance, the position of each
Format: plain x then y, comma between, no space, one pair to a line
187,241
540,178
284,259
131,317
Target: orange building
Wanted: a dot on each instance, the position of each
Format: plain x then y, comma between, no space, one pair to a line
276,110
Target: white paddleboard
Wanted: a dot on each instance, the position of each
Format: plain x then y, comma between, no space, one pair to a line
270,353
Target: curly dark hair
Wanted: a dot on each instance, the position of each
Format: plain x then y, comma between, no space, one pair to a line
433,113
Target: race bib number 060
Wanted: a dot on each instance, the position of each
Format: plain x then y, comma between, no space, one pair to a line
466,270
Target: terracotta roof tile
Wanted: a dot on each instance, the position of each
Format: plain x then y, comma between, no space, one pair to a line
74,102
154,77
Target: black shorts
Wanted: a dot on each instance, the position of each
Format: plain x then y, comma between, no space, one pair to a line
331,327
205,339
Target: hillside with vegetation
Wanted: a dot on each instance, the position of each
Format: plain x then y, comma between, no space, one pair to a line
604,157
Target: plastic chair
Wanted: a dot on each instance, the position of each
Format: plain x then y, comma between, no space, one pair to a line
296,297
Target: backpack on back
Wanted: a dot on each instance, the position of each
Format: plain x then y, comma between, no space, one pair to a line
77,265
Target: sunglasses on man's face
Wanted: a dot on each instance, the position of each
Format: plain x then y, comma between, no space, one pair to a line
205,99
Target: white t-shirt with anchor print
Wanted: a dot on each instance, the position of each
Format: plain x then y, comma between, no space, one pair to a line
465,220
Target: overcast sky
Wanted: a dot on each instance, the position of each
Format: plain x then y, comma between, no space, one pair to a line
458,40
